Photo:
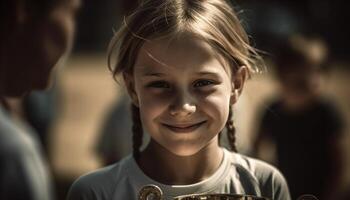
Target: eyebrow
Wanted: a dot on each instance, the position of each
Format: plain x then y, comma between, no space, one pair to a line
159,74
207,73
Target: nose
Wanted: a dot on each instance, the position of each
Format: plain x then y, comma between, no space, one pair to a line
183,105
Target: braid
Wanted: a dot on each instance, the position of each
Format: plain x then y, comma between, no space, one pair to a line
231,130
136,130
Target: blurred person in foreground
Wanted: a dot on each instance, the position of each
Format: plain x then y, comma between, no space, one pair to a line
304,126
34,36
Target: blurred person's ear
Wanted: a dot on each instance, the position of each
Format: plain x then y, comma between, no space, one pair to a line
238,80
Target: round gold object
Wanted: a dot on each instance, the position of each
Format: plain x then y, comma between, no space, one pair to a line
150,192
153,192
219,197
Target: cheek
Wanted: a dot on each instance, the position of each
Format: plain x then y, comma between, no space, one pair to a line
216,107
152,105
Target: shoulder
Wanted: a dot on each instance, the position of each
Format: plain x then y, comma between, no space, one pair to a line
330,113
257,168
327,106
271,111
274,103
15,142
22,163
270,181
99,184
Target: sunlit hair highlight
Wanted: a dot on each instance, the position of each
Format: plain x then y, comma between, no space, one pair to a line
213,21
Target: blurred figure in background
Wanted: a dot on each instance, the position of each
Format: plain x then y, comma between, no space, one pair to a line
34,37
115,137
115,140
304,126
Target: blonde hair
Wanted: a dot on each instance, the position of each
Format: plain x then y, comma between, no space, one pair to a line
213,21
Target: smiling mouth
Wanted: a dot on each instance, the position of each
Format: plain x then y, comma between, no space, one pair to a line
184,128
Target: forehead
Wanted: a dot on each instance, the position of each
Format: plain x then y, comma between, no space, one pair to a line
183,51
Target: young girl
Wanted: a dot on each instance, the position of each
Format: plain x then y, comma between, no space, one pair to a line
184,64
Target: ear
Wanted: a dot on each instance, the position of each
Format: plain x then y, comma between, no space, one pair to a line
238,80
130,86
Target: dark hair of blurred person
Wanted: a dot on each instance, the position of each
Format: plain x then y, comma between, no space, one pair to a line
299,63
304,125
34,37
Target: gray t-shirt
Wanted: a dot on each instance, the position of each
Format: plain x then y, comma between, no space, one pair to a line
237,174
23,171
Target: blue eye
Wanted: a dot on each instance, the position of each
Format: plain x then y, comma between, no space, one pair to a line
202,83
158,84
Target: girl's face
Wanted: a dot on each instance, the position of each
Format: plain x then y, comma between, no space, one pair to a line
183,91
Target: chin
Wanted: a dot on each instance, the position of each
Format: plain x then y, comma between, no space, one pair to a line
183,150
43,86
42,83
39,87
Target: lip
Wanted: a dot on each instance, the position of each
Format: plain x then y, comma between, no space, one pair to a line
184,128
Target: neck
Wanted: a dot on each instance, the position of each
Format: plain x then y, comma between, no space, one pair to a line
168,168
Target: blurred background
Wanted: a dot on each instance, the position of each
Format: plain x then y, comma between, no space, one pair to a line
82,119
